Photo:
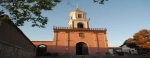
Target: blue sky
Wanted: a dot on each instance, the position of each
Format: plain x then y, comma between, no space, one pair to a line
122,18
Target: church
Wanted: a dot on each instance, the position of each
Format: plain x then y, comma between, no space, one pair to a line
78,38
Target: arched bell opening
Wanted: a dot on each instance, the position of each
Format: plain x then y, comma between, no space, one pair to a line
80,25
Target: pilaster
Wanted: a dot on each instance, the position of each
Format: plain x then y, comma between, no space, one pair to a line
106,42
67,41
87,24
72,24
97,43
55,41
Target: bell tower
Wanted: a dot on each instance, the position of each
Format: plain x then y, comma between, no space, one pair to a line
78,19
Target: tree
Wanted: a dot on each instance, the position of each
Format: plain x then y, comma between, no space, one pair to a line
100,1
140,40
21,11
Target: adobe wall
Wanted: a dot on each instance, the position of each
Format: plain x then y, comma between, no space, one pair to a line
102,42
49,44
95,41
13,43
12,51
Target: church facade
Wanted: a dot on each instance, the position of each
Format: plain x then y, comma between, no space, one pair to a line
78,38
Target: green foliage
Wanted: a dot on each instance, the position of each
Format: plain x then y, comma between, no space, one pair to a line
29,10
140,40
21,11
100,1
4,17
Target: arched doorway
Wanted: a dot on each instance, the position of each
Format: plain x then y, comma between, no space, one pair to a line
80,25
41,50
82,49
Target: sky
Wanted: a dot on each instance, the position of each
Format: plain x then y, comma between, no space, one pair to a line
122,18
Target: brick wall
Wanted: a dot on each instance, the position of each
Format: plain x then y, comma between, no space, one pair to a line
13,43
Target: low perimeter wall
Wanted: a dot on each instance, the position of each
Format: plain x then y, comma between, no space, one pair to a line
11,51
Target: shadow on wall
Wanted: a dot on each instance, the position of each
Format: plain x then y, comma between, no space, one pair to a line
79,49
13,42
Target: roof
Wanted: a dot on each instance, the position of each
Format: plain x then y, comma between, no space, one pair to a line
124,43
114,47
42,41
14,26
78,10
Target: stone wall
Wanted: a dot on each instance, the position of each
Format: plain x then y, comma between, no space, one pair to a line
11,51
13,42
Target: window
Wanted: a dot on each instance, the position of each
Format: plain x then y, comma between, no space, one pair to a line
81,35
79,15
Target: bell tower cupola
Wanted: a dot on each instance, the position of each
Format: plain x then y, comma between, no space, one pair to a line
78,19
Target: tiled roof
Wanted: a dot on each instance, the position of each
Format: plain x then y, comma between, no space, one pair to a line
78,10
